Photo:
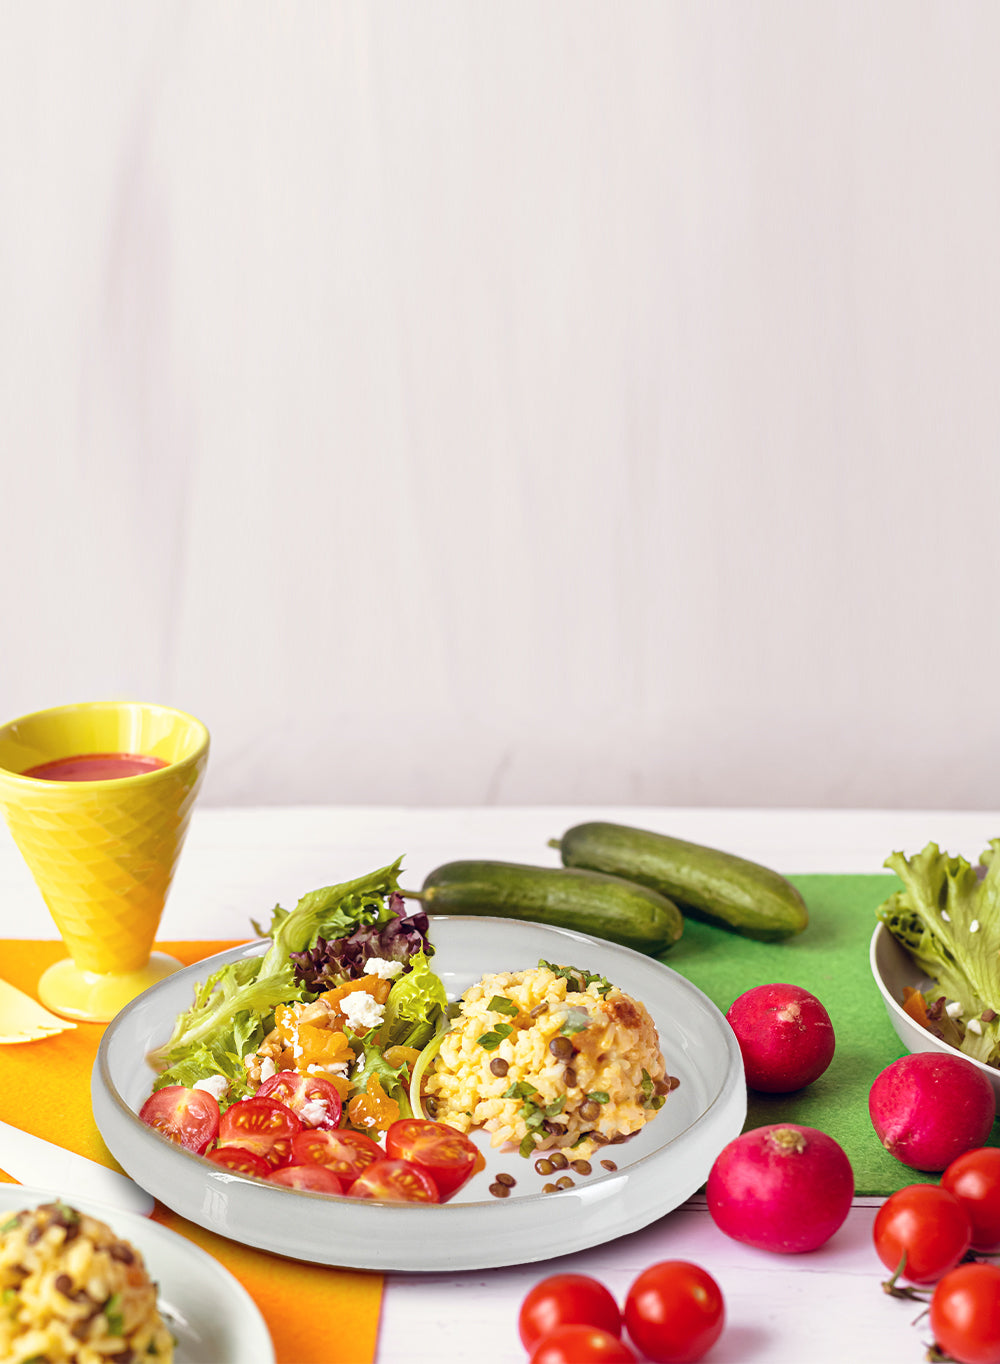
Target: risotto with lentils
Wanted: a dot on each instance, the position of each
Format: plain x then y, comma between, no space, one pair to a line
549,1057
72,1292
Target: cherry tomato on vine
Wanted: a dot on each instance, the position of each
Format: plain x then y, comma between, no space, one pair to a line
567,1300
965,1314
974,1179
674,1312
575,1344
925,1224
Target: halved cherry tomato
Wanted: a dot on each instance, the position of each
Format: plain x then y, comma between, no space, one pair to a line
312,1177
449,1157
262,1126
243,1162
395,1181
306,1096
188,1116
345,1153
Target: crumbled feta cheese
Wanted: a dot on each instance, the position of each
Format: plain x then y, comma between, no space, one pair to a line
975,1026
382,967
216,1085
334,1068
974,926
946,916
267,1068
313,1111
954,1009
361,1010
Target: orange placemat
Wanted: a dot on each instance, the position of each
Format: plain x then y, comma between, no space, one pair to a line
316,1315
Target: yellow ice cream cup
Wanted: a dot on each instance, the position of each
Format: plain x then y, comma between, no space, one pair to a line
102,853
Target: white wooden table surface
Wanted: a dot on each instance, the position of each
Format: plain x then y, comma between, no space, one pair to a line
809,1309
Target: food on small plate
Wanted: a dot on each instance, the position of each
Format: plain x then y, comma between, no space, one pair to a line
947,916
72,1291
549,1057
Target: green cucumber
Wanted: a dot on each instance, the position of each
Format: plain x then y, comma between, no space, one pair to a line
705,882
589,901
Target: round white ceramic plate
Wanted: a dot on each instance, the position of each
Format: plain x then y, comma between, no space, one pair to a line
213,1318
893,968
656,1170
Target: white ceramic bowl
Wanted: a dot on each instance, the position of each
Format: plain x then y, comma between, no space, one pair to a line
657,1170
893,968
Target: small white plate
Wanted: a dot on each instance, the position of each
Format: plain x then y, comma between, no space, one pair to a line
213,1318
893,968
659,1168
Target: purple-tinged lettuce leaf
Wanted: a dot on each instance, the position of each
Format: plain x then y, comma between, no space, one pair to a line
394,936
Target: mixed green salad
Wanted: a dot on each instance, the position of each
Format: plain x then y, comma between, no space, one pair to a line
333,937
947,916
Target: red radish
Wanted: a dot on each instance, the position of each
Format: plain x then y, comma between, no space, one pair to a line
785,1035
783,1188
928,1108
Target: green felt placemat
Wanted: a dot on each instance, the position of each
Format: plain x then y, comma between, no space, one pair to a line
830,959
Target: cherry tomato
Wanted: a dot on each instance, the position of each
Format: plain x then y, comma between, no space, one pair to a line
395,1181
575,1344
313,1177
927,1225
262,1126
243,1162
965,1314
347,1154
312,1099
974,1179
447,1156
188,1116
567,1300
674,1312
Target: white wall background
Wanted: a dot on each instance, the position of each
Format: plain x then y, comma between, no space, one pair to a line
522,402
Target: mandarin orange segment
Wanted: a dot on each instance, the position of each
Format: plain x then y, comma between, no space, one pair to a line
322,1046
373,1111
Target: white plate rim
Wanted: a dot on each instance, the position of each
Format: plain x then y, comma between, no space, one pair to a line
155,1241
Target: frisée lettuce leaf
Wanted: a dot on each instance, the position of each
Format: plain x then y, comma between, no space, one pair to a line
233,1009
947,916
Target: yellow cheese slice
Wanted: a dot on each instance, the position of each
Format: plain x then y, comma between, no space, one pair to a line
23,1019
